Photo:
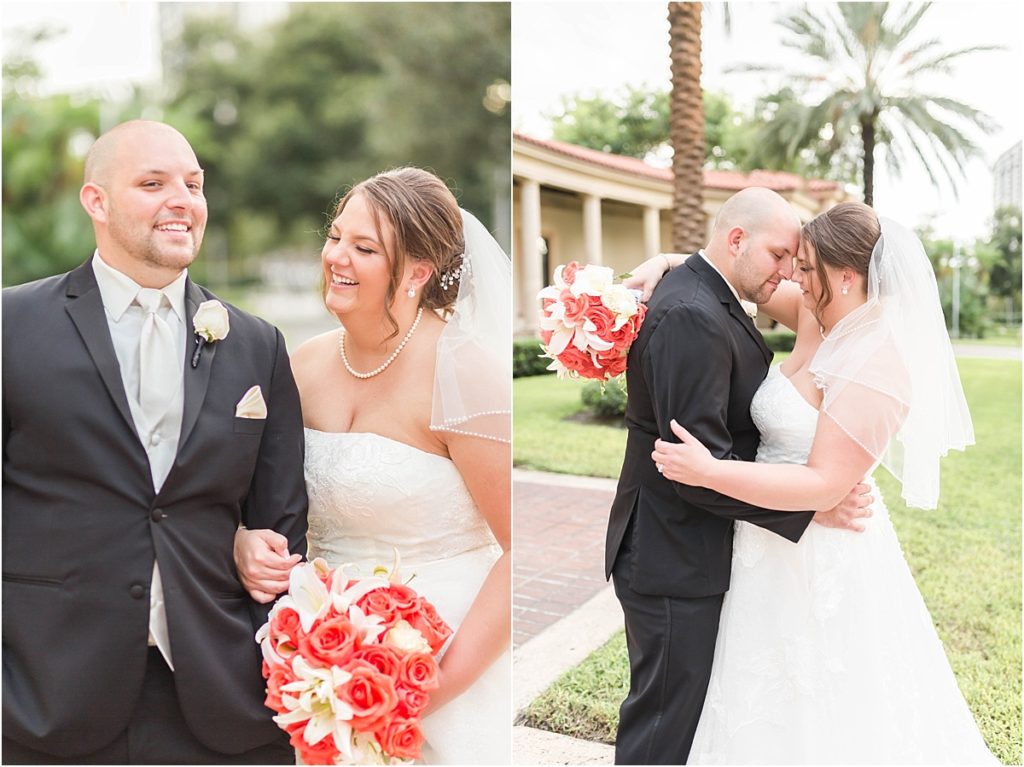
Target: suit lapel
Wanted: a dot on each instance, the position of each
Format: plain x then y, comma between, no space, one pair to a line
197,379
85,306
721,289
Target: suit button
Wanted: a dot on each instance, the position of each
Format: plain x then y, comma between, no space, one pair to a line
137,591
157,515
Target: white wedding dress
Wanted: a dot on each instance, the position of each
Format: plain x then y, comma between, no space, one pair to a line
369,495
826,652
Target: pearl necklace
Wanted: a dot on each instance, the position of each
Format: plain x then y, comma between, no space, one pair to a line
380,368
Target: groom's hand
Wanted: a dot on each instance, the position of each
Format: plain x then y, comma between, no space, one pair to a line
263,563
855,506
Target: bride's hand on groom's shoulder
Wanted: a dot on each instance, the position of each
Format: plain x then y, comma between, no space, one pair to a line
646,277
848,513
263,563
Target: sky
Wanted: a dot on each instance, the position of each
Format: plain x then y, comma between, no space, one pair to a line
566,47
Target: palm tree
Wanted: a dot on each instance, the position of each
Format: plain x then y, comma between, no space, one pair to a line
864,90
686,128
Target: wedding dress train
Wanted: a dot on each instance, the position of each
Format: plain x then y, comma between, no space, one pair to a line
369,495
826,652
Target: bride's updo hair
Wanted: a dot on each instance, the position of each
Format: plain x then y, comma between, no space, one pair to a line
427,225
843,237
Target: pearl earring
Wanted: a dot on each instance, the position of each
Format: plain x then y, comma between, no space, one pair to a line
411,292
846,289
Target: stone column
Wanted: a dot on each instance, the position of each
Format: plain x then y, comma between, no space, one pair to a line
592,229
652,231
533,279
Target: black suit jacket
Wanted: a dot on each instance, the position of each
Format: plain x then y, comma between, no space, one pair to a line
82,523
698,359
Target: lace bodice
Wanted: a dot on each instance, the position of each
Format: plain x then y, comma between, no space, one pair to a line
369,493
785,419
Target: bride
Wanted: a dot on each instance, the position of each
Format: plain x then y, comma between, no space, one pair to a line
407,415
826,652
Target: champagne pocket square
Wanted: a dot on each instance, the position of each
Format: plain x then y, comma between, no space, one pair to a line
251,405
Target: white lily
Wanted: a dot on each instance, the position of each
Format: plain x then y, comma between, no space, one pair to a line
370,627
587,337
310,596
343,600
311,699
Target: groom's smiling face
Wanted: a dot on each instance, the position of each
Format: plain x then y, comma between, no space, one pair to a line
148,199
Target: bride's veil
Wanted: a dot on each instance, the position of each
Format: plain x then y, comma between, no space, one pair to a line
473,374
888,373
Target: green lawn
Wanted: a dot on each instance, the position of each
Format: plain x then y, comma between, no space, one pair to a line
544,440
999,336
966,555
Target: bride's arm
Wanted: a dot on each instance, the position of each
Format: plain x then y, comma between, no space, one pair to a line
786,305
647,275
835,464
485,633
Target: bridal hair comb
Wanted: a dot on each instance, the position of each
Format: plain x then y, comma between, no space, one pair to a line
453,275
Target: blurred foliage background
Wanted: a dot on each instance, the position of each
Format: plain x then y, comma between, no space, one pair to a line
283,117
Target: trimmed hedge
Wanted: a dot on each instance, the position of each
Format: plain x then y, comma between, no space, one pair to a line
526,359
605,401
779,340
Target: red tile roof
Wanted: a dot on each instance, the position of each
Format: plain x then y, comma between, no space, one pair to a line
780,181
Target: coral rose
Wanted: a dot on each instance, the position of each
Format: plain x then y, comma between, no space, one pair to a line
379,602
372,696
575,307
569,272
381,657
419,669
411,701
323,751
332,642
433,627
285,632
401,738
405,598
277,677
576,361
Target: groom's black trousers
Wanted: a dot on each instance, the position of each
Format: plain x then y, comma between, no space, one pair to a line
156,734
671,644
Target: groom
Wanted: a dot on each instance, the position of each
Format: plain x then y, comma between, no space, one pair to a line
131,453
698,359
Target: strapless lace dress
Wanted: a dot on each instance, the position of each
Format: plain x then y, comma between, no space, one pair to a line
826,652
369,495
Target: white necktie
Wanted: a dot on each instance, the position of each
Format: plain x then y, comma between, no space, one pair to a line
159,364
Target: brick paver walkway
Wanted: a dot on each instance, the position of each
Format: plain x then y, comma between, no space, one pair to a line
558,545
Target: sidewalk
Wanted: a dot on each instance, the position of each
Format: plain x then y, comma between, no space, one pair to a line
558,540
563,608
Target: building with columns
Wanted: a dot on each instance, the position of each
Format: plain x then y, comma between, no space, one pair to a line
571,203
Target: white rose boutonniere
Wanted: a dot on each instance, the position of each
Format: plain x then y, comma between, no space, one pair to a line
211,324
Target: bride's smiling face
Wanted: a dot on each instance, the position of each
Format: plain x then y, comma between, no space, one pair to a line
356,260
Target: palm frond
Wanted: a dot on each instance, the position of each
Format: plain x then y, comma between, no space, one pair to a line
941,63
907,22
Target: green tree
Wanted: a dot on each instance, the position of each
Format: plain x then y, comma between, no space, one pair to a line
1004,259
45,230
44,141
861,89
632,122
292,115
